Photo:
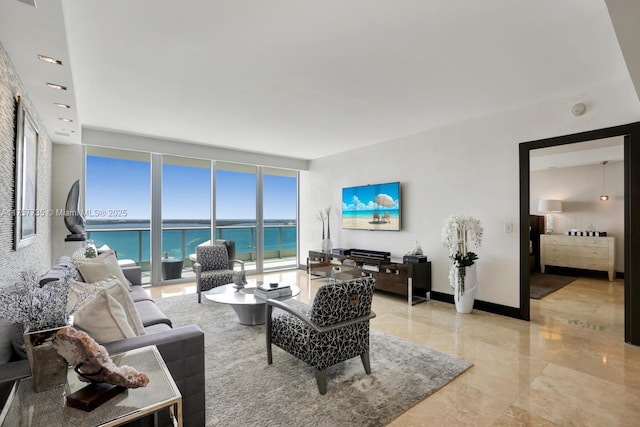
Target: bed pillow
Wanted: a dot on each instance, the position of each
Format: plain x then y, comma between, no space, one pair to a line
108,312
100,268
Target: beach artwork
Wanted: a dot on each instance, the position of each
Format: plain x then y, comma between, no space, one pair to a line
371,207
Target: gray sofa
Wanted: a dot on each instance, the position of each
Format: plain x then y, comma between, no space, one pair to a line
181,348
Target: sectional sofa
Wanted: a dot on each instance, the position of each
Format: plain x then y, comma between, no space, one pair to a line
182,348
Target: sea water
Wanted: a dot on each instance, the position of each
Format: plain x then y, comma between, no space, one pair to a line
131,239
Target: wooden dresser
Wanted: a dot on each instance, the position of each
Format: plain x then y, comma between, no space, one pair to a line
589,253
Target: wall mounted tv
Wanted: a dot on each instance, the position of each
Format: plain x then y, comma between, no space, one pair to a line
371,207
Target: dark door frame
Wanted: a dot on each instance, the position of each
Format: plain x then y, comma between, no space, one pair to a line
631,133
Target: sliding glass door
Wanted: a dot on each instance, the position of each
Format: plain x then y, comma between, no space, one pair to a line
279,207
118,203
236,209
186,213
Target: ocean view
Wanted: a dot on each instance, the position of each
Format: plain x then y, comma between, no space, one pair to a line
131,238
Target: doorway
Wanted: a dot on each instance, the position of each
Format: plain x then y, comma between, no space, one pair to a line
631,134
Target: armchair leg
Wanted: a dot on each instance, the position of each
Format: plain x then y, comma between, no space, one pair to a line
321,379
365,362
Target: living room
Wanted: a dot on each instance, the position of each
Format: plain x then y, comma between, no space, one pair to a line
470,166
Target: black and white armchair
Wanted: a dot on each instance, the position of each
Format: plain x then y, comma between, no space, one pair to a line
334,329
214,265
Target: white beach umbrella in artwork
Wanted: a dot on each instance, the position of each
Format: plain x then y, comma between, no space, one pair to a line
384,200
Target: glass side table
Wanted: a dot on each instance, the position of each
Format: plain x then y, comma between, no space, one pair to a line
28,408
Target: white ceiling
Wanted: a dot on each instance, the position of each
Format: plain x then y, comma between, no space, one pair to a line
302,79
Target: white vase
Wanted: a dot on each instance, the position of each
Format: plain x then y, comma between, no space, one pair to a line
464,300
327,246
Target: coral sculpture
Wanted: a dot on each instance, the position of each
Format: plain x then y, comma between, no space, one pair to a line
92,362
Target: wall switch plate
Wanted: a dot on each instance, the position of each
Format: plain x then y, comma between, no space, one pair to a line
508,227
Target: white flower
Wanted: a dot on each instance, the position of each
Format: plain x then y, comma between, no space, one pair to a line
458,233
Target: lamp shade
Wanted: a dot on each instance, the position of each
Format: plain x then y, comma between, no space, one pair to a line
550,206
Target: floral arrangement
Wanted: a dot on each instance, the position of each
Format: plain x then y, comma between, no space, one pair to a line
459,232
38,307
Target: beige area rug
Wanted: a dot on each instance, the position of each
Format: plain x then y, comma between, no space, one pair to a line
243,390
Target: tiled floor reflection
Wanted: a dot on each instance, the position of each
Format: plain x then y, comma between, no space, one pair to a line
569,366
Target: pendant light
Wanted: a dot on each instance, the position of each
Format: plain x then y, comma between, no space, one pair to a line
604,197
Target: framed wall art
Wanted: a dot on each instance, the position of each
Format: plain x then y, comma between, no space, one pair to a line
26,164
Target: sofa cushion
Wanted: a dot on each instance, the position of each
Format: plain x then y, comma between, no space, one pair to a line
64,266
6,347
139,294
158,327
150,314
108,314
102,267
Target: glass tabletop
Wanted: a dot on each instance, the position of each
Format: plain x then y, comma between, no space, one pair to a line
228,294
28,408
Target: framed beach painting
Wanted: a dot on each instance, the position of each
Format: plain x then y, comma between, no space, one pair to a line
25,178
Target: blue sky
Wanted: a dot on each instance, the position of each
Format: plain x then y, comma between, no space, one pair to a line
116,184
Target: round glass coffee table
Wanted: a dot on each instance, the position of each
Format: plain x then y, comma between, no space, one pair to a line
250,310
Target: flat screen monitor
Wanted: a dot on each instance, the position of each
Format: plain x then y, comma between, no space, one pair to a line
372,207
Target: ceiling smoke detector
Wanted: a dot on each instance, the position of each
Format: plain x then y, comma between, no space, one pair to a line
578,109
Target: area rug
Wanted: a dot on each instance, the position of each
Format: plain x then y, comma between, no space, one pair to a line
541,285
242,389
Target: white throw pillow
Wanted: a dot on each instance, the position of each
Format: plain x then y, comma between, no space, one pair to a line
108,314
100,268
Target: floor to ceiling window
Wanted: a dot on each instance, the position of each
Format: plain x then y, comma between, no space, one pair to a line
279,206
236,209
117,202
138,198
186,213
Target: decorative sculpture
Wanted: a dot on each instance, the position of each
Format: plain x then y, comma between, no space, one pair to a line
73,219
92,362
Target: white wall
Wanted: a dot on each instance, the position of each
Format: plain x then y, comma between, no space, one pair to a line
465,168
579,188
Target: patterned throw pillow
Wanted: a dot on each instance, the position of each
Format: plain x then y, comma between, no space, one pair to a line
213,257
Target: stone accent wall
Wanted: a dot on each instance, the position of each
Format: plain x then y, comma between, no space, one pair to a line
36,256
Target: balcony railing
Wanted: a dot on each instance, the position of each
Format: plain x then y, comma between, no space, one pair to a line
134,243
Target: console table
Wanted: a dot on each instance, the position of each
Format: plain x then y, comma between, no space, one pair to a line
589,253
406,279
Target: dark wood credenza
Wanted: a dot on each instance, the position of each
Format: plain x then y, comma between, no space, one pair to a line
407,279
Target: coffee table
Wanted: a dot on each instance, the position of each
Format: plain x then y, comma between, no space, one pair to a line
250,310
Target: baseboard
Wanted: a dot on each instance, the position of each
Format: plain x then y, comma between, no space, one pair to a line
489,307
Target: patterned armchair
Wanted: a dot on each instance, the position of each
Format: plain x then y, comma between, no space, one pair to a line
214,265
334,329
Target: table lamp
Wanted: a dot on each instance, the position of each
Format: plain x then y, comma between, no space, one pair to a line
549,207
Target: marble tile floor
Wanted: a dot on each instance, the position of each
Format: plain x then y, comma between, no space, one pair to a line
568,366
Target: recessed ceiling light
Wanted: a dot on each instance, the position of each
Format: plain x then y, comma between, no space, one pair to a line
56,86
49,59
64,119
57,104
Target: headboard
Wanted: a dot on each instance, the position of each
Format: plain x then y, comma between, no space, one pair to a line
536,228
